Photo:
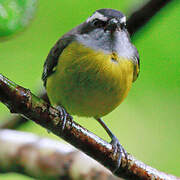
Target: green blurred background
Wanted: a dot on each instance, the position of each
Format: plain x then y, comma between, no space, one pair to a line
147,123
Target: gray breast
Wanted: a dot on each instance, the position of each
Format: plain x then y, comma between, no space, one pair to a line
117,42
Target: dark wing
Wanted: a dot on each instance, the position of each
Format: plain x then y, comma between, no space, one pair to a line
135,59
136,66
53,56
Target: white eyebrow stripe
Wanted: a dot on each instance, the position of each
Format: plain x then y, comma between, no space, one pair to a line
97,15
123,19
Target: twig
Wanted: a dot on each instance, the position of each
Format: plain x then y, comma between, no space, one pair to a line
22,101
45,159
140,17
14,121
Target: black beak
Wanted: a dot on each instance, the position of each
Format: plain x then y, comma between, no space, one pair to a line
113,25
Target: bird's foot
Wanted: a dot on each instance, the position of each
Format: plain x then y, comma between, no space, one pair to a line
64,115
117,149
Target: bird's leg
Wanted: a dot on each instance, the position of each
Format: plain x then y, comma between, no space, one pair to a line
65,115
115,143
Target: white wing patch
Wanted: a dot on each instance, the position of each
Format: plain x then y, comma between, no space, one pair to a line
97,15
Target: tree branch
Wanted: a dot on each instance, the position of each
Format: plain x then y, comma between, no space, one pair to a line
22,101
13,121
140,17
46,159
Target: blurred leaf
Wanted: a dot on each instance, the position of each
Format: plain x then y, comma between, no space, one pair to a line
15,15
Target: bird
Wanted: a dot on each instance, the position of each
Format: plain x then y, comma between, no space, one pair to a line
90,69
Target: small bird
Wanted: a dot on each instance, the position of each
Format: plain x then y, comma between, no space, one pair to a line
90,69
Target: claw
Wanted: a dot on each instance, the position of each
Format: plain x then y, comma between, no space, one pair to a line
118,149
64,116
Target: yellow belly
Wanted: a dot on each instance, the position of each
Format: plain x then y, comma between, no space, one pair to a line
89,83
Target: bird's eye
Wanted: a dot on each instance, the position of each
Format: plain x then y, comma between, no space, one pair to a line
98,23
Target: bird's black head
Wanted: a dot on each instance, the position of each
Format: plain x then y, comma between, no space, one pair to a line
109,19
111,13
